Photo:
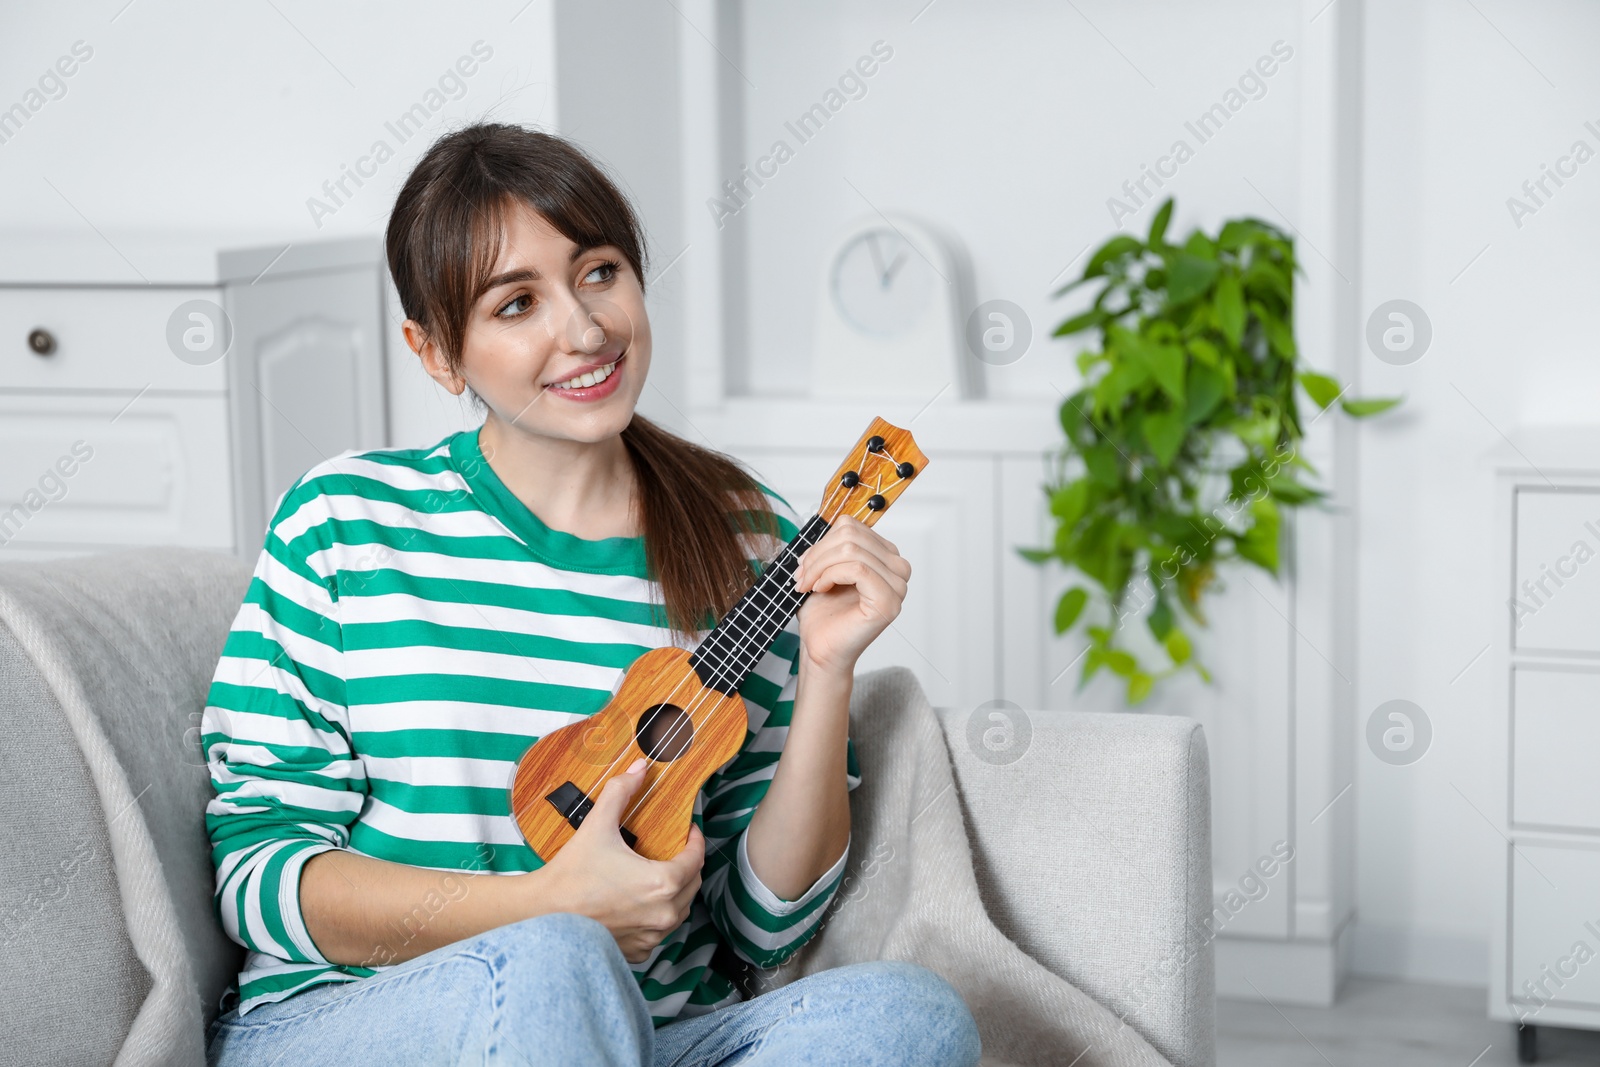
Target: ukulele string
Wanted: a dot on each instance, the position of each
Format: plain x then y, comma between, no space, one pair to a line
776,560
689,712
785,603
709,695
783,600
770,611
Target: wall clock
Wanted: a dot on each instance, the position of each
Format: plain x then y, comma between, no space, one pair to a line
889,313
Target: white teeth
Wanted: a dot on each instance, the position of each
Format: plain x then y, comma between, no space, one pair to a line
588,378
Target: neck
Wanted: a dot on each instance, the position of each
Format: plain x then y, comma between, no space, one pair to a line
579,487
730,652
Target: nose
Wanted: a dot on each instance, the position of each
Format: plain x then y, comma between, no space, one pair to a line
592,322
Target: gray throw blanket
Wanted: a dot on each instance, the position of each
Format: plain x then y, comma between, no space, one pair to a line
911,895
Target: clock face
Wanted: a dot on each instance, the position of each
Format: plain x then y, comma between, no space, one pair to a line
881,284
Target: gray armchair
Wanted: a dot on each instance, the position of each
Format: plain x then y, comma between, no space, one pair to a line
110,951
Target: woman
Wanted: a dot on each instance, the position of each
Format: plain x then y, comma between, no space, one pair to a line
419,617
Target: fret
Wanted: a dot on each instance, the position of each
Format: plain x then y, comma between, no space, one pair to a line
730,652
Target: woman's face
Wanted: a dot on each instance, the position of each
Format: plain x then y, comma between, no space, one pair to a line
552,313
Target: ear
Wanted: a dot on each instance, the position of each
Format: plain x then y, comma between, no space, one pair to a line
432,357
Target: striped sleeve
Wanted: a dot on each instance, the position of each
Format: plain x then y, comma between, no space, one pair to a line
277,739
760,927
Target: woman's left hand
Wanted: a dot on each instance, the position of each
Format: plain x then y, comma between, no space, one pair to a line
857,581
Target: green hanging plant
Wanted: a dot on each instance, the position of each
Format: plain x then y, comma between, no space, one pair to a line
1183,445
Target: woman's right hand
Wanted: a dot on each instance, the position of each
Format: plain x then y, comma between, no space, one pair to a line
596,874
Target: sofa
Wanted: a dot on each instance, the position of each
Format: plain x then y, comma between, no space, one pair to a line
103,786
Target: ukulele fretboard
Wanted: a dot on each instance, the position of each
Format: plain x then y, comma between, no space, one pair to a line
727,655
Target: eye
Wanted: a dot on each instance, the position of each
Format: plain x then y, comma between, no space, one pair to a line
516,306
608,270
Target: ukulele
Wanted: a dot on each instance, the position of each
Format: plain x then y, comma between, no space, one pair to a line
681,709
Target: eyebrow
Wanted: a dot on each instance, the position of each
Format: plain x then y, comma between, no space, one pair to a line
528,274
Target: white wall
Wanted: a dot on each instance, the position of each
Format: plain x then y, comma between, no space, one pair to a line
1011,123
1463,104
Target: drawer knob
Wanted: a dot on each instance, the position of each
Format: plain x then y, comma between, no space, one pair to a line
42,341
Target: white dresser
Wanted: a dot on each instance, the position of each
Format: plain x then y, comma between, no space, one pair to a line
134,412
1545,947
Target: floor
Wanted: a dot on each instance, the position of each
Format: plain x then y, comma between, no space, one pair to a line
1386,1024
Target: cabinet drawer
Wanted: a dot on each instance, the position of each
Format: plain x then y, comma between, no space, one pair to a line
1554,890
1555,748
158,474
1555,602
105,338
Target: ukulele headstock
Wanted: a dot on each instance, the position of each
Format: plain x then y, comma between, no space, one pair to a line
874,474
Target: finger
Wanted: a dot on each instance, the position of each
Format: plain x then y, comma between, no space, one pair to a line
611,805
692,856
859,572
820,557
845,570
874,595
854,527
684,898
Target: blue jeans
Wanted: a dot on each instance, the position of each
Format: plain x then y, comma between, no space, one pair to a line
555,989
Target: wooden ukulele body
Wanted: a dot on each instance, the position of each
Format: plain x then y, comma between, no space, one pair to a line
561,775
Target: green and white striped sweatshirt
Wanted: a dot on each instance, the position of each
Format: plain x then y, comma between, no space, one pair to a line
410,629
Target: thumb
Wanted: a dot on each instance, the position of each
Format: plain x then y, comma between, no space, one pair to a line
693,854
612,804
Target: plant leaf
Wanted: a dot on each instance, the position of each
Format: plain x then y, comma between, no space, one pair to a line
1189,277
1164,361
1070,607
1279,335
1102,463
1178,647
1206,389
1322,389
1139,686
1078,323
1069,502
1229,304
1120,245
1360,409
1259,544
1120,662
1165,431
1160,620
1158,225
1035,555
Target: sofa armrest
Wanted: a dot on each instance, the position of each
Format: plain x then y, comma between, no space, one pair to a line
1093,854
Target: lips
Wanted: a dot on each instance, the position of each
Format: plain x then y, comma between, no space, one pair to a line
594,383
589,376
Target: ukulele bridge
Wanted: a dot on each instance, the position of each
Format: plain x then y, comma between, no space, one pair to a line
570,801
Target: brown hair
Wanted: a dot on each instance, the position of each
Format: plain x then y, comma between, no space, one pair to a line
442,243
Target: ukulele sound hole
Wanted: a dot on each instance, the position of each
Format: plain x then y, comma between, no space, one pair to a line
664,732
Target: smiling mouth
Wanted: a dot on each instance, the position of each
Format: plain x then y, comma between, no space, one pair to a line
589,378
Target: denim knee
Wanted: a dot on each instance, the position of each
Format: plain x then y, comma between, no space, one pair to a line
931,1006
565,942
541,955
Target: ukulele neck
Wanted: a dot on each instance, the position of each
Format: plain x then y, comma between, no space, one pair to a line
730,652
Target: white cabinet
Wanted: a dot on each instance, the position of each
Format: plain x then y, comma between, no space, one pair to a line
83,469
1556,605
1545,602
1555,748
113,439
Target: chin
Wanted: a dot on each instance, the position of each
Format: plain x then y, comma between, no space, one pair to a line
587,426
